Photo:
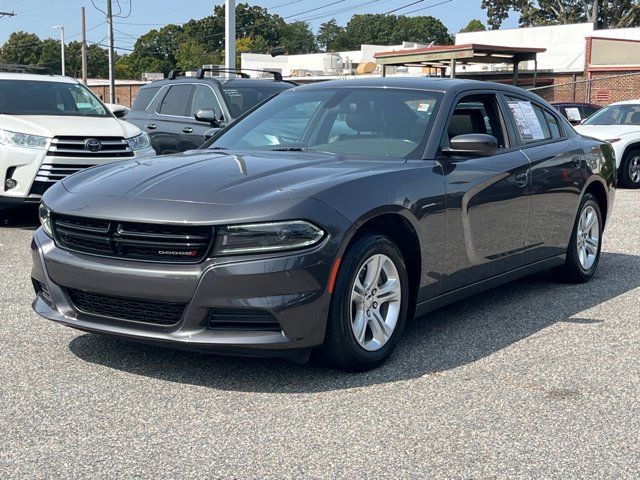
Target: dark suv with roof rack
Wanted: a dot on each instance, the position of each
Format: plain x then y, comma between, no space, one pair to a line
180,113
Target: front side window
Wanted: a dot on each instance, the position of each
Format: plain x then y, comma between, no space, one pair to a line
177,101
33,97
204,99
361,121
616,115
477,114
144,98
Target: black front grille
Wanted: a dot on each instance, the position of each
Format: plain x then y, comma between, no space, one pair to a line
109,147
135,241
242,319
38,188
124,308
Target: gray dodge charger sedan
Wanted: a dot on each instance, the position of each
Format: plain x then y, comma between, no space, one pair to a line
325,219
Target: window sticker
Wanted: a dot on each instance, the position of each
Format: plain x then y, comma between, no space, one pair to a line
527,121
423,107
573,114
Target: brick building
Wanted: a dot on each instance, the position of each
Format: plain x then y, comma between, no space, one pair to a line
126,90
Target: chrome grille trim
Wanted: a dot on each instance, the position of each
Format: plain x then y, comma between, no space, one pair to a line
111,147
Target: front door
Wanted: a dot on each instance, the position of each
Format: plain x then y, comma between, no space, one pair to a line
488,198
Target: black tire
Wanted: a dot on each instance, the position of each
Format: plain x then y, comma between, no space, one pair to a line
630,161
341,349
573,271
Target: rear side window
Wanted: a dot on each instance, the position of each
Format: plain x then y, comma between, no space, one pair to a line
177,101
532,121
142,101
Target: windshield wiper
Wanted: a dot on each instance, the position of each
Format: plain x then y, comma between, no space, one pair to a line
218,148
289,149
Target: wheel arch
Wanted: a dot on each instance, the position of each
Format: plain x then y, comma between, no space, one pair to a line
404,230
598,190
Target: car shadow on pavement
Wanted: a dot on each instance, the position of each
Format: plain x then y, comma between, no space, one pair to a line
25,217
445,339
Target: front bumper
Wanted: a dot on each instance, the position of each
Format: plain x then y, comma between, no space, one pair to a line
290,287
24,165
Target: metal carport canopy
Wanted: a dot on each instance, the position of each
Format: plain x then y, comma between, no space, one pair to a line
447,56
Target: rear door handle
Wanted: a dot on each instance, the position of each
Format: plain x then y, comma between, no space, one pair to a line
187,130
522,180
577,161
152,126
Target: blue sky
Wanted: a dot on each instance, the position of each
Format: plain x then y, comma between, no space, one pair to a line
38,16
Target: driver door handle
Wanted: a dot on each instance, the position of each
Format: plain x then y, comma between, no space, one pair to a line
187,130
577,161
152,126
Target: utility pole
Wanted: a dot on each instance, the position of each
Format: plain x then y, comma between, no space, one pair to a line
112,86
84,46
596,11
230,34
61,28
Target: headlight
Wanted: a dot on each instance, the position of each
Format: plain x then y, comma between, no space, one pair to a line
139,142
267,237
15,139
45,219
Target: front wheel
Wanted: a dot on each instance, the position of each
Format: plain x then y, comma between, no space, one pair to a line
369,305
583,253
630,169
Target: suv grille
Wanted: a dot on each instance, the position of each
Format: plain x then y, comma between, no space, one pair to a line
123,308
242,319
91,147
136,241
50,173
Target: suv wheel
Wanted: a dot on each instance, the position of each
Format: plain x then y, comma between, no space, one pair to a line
369,305
630,169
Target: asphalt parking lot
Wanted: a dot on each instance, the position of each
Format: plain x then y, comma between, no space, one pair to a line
534,379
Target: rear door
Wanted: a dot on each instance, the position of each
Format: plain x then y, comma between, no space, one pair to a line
171,118
487,197
558,175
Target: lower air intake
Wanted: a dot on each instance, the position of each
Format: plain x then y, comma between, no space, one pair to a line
247,319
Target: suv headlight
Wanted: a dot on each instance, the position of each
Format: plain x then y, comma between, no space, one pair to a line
267,237
45,219
139,142
16,139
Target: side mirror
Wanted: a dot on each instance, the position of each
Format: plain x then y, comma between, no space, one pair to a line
208,116
473,145
118,110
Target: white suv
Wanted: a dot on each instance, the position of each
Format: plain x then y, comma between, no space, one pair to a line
51,127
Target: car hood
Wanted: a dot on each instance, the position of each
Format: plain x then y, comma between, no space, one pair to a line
607,132
209,177
53,125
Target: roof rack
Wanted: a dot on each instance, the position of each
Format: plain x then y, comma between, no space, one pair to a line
175,73
277,76
16,68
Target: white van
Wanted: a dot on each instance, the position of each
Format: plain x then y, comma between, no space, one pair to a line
51,127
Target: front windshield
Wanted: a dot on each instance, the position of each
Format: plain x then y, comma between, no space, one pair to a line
351,121
616,115
33,97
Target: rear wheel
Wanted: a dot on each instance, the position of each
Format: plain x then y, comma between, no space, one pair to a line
369,305
630,169
583,253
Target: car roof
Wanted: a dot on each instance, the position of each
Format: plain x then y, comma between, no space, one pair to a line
36,77
576,104
626,102
418,83
233,82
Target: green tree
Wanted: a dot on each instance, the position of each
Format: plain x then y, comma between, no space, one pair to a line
327,34
191,55
609,14
21,47
297,37
50,55
474,25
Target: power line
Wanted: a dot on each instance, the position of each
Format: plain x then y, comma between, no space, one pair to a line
402,7
427,7
313,9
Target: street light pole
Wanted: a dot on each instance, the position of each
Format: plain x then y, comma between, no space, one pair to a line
230,34
61,28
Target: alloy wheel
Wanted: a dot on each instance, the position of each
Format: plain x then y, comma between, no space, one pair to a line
375,302
634,169
588,237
